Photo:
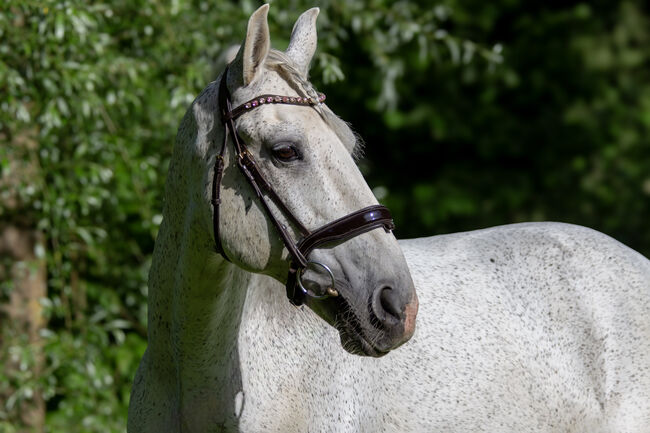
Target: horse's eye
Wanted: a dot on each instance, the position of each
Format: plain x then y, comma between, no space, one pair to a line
285,152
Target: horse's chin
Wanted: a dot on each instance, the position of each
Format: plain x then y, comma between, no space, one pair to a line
356,340
357,344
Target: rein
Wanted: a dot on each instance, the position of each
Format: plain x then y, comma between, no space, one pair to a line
342,229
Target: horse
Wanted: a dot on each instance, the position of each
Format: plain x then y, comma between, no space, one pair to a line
539,327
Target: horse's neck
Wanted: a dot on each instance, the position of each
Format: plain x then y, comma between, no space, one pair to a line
195,302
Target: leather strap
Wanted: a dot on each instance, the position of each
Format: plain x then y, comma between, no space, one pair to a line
272,99
347,227
216,198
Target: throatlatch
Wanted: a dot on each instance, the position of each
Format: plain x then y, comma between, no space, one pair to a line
340,230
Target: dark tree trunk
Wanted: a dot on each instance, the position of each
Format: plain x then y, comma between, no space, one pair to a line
23,282
22,315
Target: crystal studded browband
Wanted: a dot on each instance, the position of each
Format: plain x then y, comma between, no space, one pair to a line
272,99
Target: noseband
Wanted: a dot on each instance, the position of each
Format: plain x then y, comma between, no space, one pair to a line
340,230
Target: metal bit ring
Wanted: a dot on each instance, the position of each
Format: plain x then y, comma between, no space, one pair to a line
329,291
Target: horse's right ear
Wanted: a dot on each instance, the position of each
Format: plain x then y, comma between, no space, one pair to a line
253,52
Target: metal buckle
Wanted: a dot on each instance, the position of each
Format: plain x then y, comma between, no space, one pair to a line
329,291
245,153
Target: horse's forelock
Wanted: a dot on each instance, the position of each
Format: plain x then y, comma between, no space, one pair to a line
283,65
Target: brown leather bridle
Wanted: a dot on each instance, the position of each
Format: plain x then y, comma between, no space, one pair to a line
340,230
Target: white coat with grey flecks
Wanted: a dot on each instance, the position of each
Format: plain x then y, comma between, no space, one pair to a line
536,327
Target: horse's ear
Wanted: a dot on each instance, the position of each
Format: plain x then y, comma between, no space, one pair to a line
255,48
302,44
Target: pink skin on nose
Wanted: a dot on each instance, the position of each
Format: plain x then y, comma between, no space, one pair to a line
411,311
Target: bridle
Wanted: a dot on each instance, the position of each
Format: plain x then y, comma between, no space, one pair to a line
340,230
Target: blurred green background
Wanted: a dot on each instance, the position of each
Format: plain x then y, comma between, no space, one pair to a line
474,114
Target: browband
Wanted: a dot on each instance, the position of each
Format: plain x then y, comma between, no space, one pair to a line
272,99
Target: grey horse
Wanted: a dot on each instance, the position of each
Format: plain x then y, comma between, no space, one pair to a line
538,327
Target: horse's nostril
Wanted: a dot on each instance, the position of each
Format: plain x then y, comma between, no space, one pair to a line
386,306
389,302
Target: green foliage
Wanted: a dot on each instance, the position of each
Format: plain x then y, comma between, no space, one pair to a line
474,114
558,131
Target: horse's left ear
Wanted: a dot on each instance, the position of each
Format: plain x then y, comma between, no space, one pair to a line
302,44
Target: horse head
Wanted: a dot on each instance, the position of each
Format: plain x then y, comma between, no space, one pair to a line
287,169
